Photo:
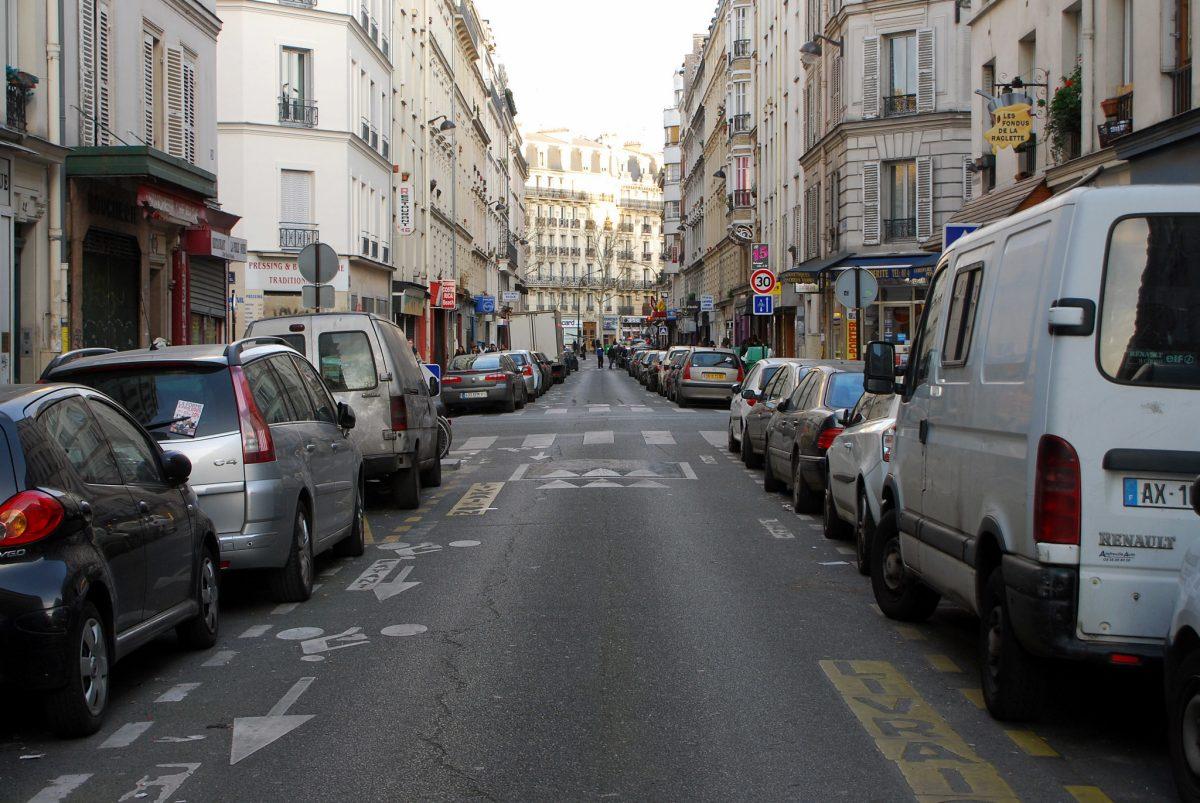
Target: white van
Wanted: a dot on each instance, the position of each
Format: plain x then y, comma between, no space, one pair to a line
1045,440
367,362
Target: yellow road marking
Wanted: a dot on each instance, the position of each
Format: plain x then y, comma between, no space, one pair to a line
477,500
391,539
942,663
909,633
1088,794
413,519
368,536
402,528
975,696
935,761
1032,744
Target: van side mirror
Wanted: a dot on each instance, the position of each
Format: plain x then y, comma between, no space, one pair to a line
880,374
176,468
435,387
345,416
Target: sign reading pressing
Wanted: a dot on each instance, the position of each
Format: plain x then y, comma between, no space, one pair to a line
1012,126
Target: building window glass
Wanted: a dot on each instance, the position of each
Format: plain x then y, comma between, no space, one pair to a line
901,201
901,74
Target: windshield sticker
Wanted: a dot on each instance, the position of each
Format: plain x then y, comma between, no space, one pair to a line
187,417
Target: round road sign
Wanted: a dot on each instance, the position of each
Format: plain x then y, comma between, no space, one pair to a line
318,263
762,281
844,288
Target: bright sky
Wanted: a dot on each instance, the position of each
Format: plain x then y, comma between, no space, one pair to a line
595,66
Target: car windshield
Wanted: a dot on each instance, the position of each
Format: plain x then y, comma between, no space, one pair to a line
713,359
844,390
475,362
172,403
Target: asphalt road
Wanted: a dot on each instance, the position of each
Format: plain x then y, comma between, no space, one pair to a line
600,602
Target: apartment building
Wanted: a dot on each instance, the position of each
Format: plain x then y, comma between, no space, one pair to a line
595,229
670,284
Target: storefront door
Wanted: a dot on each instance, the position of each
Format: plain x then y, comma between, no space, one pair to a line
111,270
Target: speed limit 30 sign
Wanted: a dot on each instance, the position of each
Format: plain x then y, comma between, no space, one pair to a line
763,282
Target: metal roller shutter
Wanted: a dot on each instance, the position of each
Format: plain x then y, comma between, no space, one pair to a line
207,280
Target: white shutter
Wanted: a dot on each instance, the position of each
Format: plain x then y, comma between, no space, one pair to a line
924,197
870,77
968,180
871,222
835,92
87,72
295,196
175,145
189,111
926,88
148,109
798,231
812,221
103,75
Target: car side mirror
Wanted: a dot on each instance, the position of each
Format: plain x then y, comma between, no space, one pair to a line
843,417
737,388
880,374
176,468
749,395
784,405
435,387
345,416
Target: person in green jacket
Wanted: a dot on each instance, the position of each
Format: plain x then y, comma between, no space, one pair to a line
753,351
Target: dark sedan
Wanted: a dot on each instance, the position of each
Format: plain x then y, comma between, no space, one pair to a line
802,429
473,381
102,548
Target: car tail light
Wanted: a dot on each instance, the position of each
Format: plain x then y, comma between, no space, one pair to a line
495,378
27,517
687,372
451,380
399,414
257,445
527,370
741,374
889,440
1124,659
825,439
1056,504
751,401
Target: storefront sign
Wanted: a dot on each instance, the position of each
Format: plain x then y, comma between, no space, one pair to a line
172,207
273,275
181,302
852,339
412,303
485,305
903,272
510,296
442,293
632,320
570,323
610,323
5,182
706,303
404,208
1012,126
227,247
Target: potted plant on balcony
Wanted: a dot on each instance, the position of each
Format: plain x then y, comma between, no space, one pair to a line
20,78
1065,117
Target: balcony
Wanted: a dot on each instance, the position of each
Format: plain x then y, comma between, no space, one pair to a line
590,252
626,227
16,100
642,203
564,222
298,111
646,228
589,225
625,256
741,123
741,48
1119,112
1181,89
294,236
743,199
552,222
899,105
904,228
625,309
574,252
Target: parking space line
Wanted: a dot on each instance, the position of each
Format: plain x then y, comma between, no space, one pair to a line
177,693
909,633
942,663
935,761
591,438
658,438
255,631
368,536
125,735
1032,744
539,441
478,443
59,788
716,438
220,659
1088,794
284,608
975,697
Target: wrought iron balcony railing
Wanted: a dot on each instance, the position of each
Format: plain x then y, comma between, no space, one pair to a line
294,236
741,48
1181,89
904,228
743,199
741,123
899,105
298,111
16,100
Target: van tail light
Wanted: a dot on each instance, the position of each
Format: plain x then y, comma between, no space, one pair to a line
825,439
888,441
687,372
399,414
495,377
1124,659
257,445
27,517
1056,503
451,380
527,370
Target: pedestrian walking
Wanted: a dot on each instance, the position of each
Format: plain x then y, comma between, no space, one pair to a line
599,358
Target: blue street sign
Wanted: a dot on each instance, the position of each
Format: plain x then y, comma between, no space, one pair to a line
485,305
954,231
764,305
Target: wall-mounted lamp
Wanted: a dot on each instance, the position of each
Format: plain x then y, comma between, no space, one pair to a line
810,51
720,174
446,125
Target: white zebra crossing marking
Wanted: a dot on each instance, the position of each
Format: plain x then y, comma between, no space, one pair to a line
717,439
599,408
538,441
556,411
477,443
640,408
658,438
604,436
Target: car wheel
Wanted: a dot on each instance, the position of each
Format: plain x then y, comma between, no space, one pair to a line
897,593
521,402
803,499
354,544
432,476
771,483
749,458
510,404
833,527
406,488
200,632
863,530
1183,726
294,582
78,708
733,444
1012,680
681,400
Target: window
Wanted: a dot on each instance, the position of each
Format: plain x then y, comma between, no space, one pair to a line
475,362
152,395
295,196
901,66
844,390
346,361
293,388
294,340
714,359
267,391
901,201
69,424
927,335
964,300
741,173
294,73
137,457
1149,330
95,72
151,89
805,390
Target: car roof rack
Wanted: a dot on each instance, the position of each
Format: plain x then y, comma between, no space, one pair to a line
233,352
72,356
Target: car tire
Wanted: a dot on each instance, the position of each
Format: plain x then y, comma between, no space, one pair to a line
201,631
681,400
898,594
832,525
803,499
521,402
771,483
432,476
749,458
294,581
1183,722
733,444
510,404
864,530
406,488
78,708
1013,681
355,543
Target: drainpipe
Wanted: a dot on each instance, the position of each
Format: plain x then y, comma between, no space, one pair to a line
1088,101
56,303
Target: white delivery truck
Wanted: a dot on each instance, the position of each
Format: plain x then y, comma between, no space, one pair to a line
539,331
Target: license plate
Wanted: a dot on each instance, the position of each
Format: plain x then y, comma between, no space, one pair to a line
711,375
482,394
1169,494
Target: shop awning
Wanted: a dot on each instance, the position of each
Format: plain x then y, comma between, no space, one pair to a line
140,162
884,266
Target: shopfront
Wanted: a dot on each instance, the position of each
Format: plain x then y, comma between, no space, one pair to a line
409,303
892,317
203,286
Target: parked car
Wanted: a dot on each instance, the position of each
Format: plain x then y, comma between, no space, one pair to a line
708,375
745,396
675,358
802,429
650,375
858,462
1182,671
762,405
273,464
102,549
1039,479
532,376
635,355
640,365
473,381
368,363
547,369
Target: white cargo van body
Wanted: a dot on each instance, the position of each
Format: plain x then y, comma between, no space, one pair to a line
537,331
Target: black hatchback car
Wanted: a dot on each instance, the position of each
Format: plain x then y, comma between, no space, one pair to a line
102,548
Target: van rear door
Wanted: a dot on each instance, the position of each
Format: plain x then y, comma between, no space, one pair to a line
1137,400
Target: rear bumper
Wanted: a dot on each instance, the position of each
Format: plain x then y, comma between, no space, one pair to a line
264,540
703,390
384,465
495,395
1042,609
33,646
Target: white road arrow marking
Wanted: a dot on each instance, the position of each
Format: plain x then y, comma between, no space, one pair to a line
165,784
539,456
251,734
385,591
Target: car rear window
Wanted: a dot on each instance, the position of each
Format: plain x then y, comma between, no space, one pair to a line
713,359
294,340
1149,328
844,390
519,359
475,362
155,395
346,361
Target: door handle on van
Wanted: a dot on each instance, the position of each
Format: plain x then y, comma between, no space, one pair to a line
1073,316
923,430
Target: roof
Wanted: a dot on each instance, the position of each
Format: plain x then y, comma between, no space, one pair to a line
211,354
995,205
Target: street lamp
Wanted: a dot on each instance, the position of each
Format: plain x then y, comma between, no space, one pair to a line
446,125
720,174
810,51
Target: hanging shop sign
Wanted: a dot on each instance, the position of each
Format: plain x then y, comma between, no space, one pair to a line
1012,121
485,305
760,256
404,208
173,208
442,294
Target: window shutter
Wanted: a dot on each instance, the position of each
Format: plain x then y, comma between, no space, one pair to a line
295,196
871,223
926,89
968,180
797,231
189,111
870,76
175,137
103,75
835,92
148,110
812,220
924,197
87,72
